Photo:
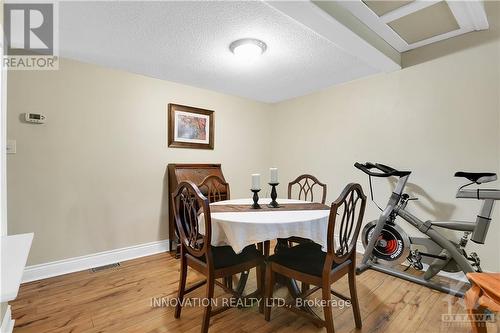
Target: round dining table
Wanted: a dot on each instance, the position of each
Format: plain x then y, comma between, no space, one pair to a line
236,224
243,226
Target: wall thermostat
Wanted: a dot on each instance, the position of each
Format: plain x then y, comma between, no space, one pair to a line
35,118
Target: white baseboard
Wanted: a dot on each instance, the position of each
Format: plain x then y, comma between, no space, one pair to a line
71,265
7,322
359,247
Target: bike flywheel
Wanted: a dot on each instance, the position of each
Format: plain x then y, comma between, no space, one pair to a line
393,244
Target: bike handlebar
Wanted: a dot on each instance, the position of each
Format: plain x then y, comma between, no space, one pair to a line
387,171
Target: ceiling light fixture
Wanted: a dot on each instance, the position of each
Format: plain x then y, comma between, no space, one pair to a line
248,49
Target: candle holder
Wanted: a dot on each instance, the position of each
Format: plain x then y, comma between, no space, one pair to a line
256,199
274,195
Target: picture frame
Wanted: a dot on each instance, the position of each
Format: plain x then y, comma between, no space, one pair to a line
190,127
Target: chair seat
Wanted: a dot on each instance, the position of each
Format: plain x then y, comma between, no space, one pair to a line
224,256
306,258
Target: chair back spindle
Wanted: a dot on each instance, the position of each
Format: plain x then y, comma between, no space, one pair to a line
214,188
188,202
305,185
346,216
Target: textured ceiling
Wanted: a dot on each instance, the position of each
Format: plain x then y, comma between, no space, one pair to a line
187,42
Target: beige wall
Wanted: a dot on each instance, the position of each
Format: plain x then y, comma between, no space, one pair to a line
434,118
91,178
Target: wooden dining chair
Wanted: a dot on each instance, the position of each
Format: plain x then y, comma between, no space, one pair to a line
197,252
215,188
305,185
306,188
302,188
308,263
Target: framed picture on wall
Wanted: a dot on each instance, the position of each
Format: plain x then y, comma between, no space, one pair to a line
190,127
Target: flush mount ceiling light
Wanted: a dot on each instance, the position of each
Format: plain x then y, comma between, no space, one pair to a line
248,49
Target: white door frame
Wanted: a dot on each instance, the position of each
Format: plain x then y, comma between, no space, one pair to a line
3,142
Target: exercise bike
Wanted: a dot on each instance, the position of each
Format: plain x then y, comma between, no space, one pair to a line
387,244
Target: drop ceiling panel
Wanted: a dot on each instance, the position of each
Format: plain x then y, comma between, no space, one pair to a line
432,21
383,7
421,22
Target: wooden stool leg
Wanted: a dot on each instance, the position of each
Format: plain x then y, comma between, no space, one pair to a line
327,309
208,309
267,246
260,272
270,279
228,282
182,286
471,297
304,287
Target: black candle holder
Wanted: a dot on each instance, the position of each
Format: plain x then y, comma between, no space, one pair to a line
256,199
274,195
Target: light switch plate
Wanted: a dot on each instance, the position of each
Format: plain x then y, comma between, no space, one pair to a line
11,146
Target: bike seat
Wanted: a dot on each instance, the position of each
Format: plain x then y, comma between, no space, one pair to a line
477,177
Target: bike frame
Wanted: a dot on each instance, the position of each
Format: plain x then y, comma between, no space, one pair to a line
395,206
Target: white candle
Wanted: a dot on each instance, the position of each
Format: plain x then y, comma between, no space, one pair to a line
256,181
274,175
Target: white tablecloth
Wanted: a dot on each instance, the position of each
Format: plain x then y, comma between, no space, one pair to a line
240,229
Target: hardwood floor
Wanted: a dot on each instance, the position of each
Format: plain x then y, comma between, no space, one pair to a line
119,300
